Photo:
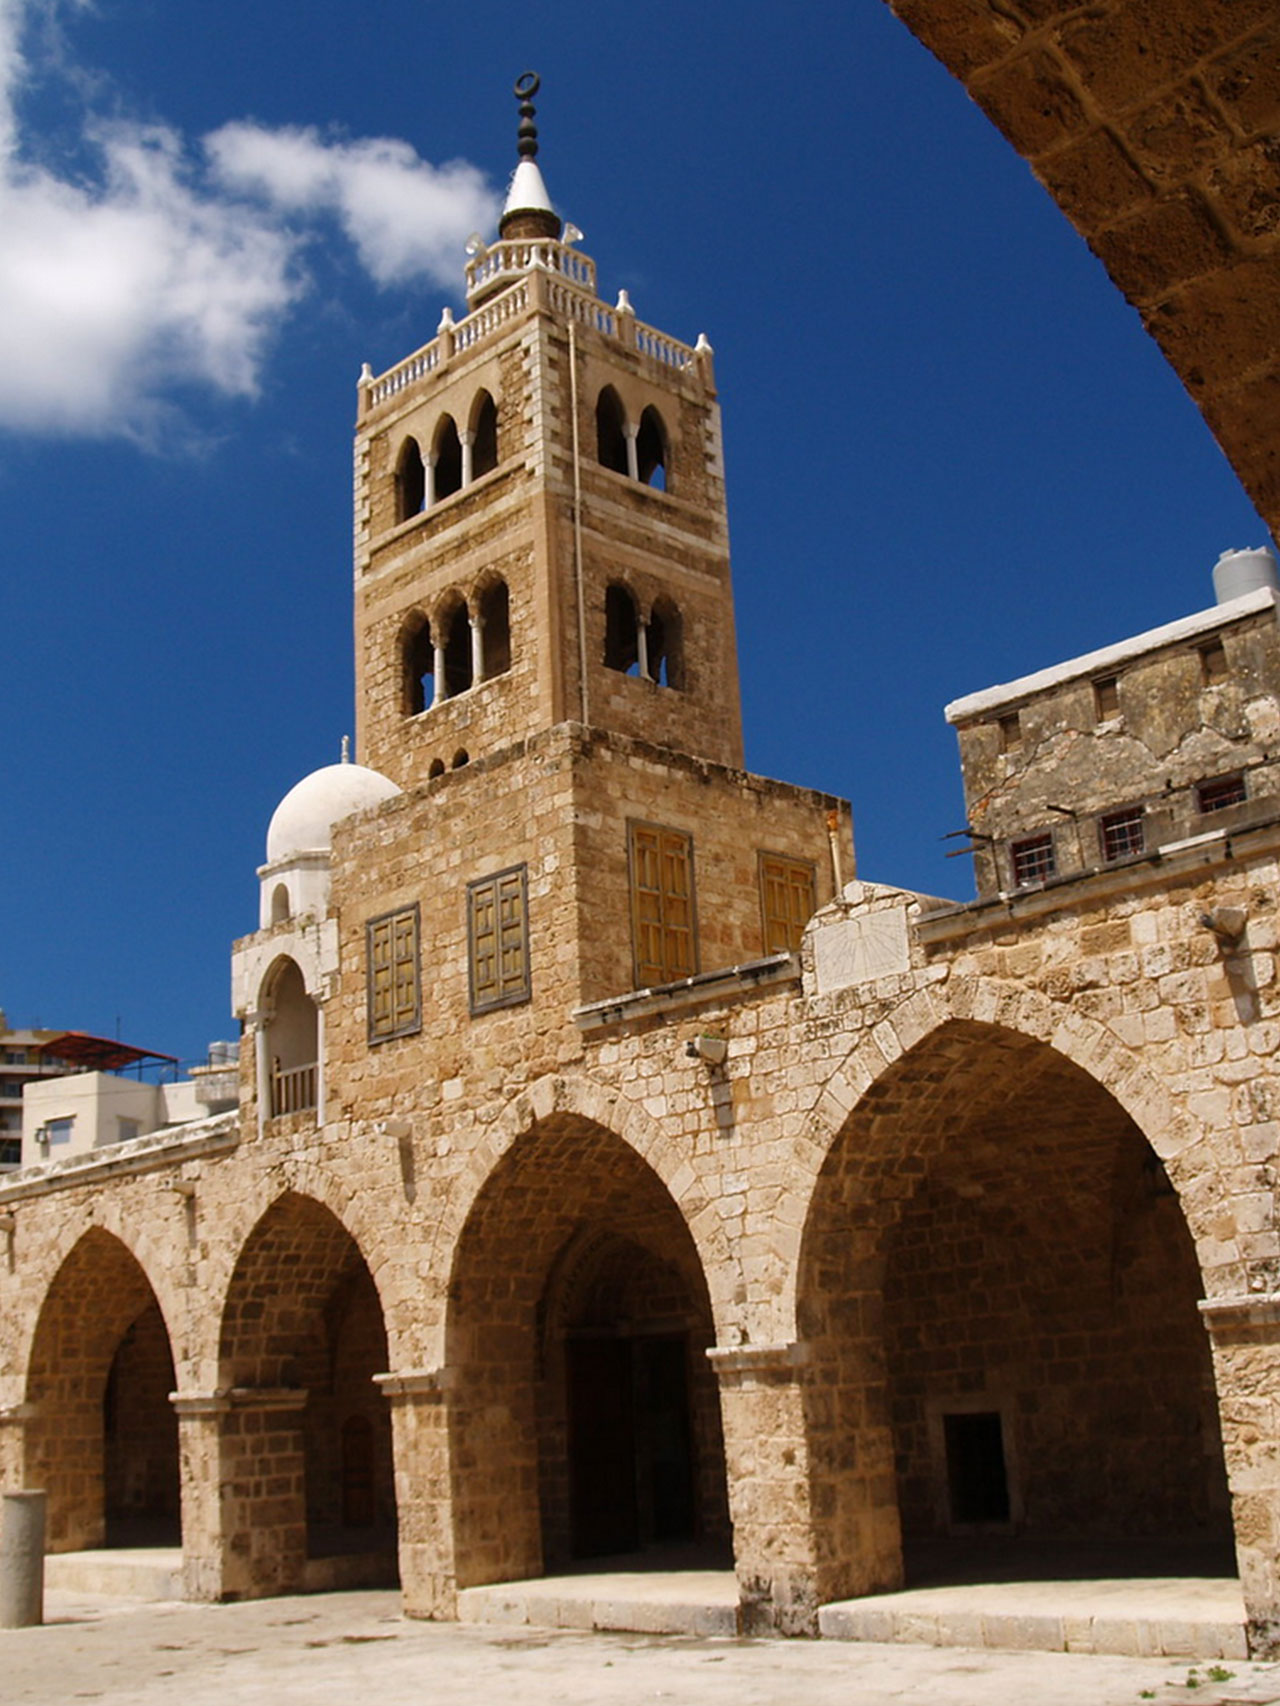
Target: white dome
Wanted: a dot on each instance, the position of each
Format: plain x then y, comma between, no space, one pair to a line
303,821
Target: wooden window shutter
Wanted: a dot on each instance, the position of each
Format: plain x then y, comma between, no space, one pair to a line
662,909
787,901
498,939
394,985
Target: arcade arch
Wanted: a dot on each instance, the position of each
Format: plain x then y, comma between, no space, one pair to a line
586,1417
302,1338
998,1293
103,1438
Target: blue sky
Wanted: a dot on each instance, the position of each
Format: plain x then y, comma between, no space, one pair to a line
953,454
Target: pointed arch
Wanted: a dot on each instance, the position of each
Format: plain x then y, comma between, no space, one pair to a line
621,629
484,429
611,431
446,453
417,664
666,645
652,450
493,605
410,480
455,629
292,1037
103,1439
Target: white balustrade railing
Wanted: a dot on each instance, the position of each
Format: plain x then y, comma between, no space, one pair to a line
508,259
570,286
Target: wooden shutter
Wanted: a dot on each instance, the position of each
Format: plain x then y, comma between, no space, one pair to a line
395,1006
661,904
786,901
498,939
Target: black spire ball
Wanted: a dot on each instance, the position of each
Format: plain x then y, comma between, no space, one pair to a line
526,87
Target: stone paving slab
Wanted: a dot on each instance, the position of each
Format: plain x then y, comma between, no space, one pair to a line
332,1649
654,1602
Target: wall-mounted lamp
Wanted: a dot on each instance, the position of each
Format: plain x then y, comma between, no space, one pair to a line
184,1188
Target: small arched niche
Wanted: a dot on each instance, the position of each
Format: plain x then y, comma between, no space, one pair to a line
495,627
611,431
651,450
411,481
621,630
484,427
418,665
448,459
666,645
461,757
280,907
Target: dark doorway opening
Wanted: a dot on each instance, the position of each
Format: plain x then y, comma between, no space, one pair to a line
977,1479
631,1471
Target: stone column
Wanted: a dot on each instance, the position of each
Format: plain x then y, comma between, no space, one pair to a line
13,1442
766,1459
428,480
437,676
477,647
467,440
263,1488
633,456
642,646
200,1419
1245,1334
21,1559
424,1501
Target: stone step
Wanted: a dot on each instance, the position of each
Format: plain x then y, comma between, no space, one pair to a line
142,1572
697,1602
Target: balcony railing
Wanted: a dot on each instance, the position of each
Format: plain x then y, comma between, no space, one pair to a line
293,1089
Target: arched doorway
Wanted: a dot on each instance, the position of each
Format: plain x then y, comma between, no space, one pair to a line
585,1420
103,1439
302,1339
1000,1295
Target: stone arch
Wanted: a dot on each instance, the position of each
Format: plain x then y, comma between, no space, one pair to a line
301,1337
584,1417
653,450
446,459
415,649
611,431
491,600
622,629
452,627
292,1018
997,1292
103,1437
410,481
483,424
585,1099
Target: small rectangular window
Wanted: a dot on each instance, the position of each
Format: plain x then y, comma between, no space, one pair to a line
127,1130
1010,732
661,904
498,939
59,1131
1122,834
1106,699
1213,663
786,901
394,987
1222,792
1033,860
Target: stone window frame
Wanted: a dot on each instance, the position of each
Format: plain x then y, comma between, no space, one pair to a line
645,840
1116,840
1215,667
792,874
1106,699
1000,1403
510,982
1033,859
400,964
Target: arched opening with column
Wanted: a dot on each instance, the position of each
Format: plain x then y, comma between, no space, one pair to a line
103,1438
292,1041
585,1418
998,1292
308,1489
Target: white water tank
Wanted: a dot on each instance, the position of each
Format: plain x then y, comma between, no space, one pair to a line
1238,572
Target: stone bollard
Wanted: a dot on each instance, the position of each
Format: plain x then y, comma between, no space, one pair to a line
21,1559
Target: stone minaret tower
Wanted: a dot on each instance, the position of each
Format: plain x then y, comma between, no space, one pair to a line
540,532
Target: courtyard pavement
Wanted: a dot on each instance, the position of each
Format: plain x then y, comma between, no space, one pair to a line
355,1649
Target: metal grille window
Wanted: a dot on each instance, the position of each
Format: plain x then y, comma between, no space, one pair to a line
395,994
661,904
1033,860
1222,792
786,901
498,940
1122,834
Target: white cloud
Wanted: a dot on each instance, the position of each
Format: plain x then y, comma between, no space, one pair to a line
158,275
406,217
